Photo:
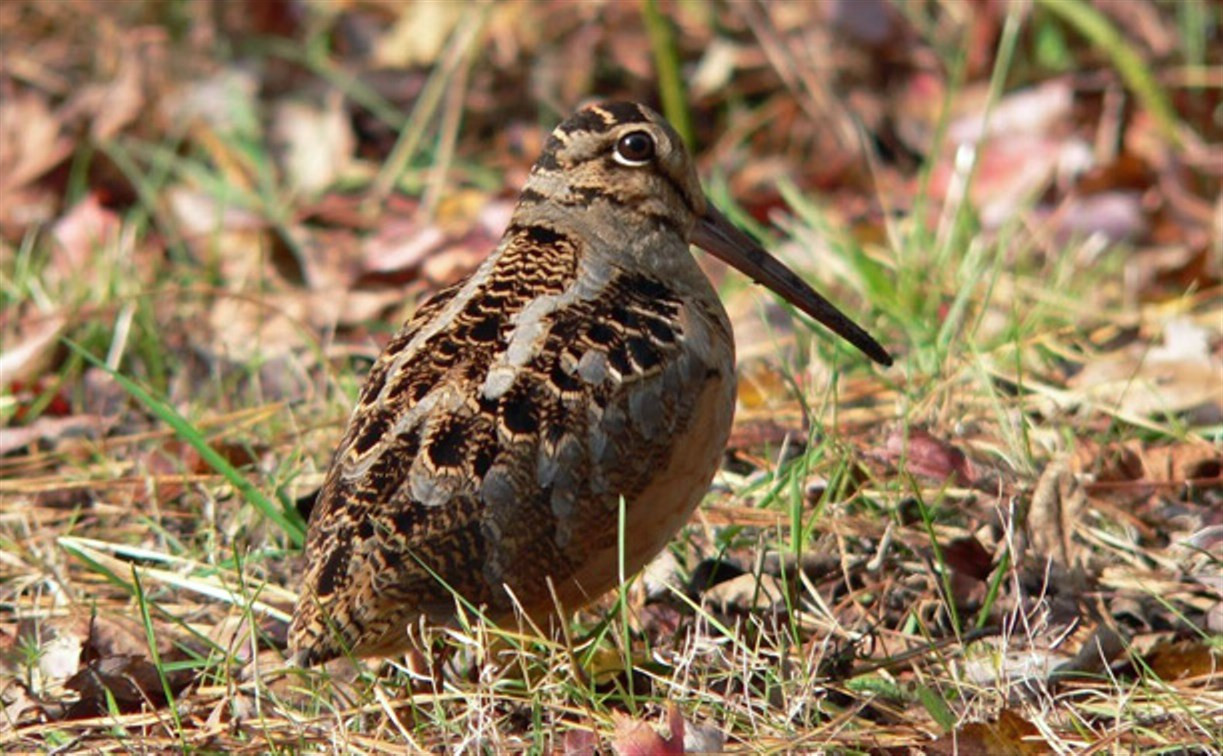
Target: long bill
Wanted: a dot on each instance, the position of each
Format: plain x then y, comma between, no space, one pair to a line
716,234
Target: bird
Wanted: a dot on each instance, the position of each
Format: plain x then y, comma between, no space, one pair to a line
586,367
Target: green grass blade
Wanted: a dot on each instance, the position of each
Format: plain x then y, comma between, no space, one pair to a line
666,61
150,637
1134,71
937,708
284,515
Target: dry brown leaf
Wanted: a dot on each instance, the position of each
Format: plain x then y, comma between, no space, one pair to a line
1010,174
59,649
762,385
1114,215
27,354
118,667
870,22
52,429
1005,663
31,142
326,259
750,433
400,245
418,34
661,576
717,66
314,143
636,738
447,266
233,239
132,683
1054,513
244,330
1107,463
745,593
969,557
113,105
579,742
926,455
1009,735
79,234
1179,375
762,328
1034,111
1176,660
201,214
1214,619
20,707
225,101
1182,462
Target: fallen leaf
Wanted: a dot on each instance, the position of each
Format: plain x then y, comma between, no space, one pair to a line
703,738
1179,375
868,22
1009,735
400,245
220,234
418,34
762,385
745,593
1177,660
225,101
1054,512
661,576
1181,463
447,266
31,141
28,354
969,557
314,143
579,742
59,655
81,232
113,105
21,707
244,330
52,429
715,69
1214,619
1034,111
326,259
709,573
1010,663
924,454
1115,216
636,738
131,683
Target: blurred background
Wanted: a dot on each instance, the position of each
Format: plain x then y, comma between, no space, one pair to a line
330,156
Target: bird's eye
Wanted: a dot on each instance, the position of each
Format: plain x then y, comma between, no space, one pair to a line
634,149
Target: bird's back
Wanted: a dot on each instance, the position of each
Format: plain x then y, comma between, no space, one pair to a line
497,433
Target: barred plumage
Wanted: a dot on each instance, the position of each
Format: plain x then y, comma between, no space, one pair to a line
587,359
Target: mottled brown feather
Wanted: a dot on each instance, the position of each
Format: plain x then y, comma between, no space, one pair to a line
587,360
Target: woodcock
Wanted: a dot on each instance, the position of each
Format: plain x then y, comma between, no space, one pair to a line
587,359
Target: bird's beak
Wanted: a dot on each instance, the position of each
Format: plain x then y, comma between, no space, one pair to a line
716,234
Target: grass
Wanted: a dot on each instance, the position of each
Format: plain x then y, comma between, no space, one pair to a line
179,524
